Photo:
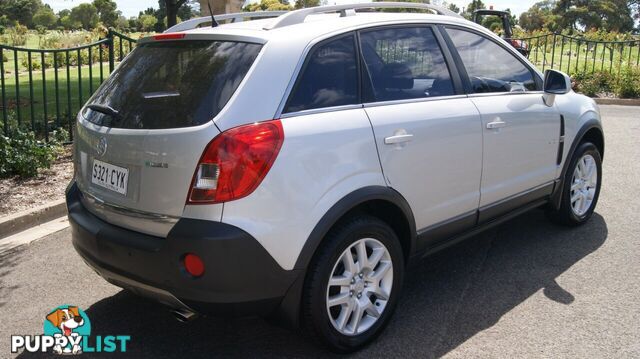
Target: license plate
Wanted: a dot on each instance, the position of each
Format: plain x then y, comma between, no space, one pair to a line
109,176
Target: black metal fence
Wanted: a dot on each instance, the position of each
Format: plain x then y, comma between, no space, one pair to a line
43,89
579,55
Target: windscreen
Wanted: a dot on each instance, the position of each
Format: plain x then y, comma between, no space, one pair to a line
171,84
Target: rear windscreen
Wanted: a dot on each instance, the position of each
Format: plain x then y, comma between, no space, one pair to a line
171,84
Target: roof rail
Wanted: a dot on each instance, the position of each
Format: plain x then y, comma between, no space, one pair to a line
298,16
235,17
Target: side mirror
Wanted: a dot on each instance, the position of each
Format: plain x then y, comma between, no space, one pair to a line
555,83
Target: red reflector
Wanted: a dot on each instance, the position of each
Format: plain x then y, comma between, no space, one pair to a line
193,264
173,36
235,162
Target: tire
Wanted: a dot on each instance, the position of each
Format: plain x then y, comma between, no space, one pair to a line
574,213
323,322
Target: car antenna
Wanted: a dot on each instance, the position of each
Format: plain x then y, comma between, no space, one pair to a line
214,23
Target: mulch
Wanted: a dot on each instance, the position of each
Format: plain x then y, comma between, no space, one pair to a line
18,194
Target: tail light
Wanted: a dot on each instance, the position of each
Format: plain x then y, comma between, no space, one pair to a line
235,162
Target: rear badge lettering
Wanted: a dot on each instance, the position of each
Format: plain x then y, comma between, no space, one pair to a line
156,164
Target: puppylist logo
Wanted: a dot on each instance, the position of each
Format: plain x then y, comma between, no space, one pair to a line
67,331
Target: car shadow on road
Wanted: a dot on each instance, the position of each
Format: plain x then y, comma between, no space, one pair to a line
9,259
446,300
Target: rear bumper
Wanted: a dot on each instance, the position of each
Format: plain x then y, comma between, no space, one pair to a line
240,278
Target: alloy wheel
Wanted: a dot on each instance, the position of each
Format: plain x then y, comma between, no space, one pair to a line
583,185
359,286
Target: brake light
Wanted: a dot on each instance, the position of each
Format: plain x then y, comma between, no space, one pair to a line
170,36
235,162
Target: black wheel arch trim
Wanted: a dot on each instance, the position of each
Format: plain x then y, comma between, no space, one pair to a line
343,206
288,312
556,196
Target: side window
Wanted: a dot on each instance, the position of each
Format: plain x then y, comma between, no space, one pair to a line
329,77
490,67
405,63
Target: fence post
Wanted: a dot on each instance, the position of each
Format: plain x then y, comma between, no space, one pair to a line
111,51
4,95
553,52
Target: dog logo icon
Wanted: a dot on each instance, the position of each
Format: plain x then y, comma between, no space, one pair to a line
68,324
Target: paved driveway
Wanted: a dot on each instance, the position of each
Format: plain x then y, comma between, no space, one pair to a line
525,289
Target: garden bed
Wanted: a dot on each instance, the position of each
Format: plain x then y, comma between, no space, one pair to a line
19,194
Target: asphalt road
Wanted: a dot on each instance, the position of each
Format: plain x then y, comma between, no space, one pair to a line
525,289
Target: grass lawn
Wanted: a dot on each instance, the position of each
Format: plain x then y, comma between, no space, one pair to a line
72,92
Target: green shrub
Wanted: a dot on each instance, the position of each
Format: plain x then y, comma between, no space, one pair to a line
52,40
35,63
22,154
628,85
592,84
17,35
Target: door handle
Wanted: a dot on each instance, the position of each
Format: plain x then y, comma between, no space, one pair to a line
496,124
398,139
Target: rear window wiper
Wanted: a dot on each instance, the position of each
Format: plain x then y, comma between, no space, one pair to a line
107,110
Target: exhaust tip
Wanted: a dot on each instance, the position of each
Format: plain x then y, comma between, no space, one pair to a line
183,315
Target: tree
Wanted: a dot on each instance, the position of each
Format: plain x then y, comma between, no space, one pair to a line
634,5
86,15
164,22
45,18
609,15
70,24
306,3
63,13
186,11
539,16
121,23
454,8
172,7
133,22
21,11
107,11
5,21
264,5
147,22
473,6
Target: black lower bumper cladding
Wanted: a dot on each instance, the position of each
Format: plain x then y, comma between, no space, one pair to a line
240,277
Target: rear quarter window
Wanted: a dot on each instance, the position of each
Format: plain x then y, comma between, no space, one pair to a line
172,84
329,77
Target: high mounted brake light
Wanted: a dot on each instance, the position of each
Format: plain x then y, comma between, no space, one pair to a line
235,162
170,36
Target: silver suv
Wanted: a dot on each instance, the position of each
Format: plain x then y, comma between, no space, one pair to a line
293,166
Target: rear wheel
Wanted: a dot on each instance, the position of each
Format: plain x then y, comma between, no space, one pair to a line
581,187
353,284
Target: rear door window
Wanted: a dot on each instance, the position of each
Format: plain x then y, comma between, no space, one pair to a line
171,84
329,77
405,63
